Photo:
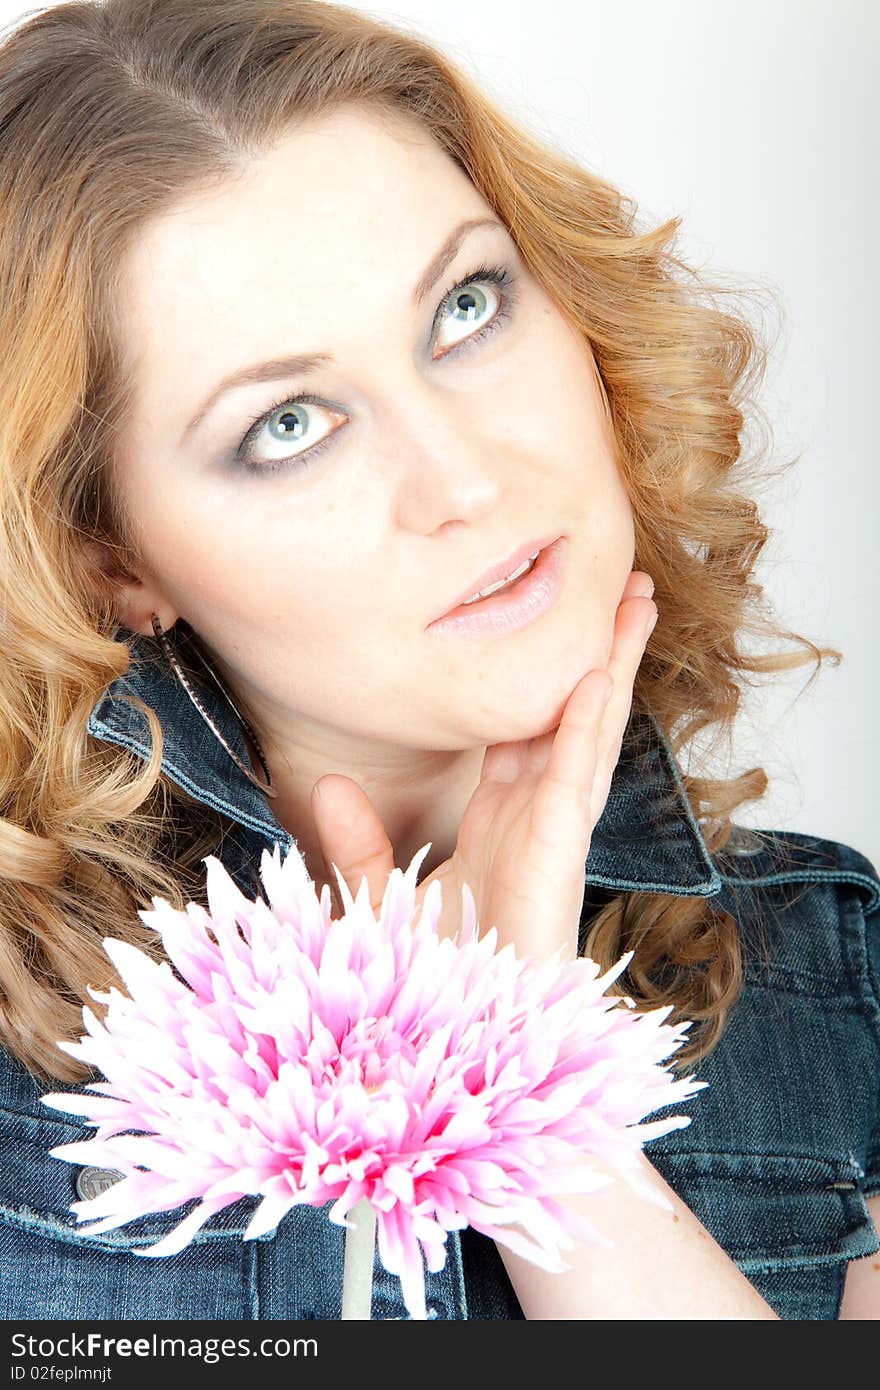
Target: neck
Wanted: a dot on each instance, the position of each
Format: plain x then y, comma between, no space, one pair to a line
420,796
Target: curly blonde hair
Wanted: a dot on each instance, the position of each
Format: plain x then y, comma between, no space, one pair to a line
112,110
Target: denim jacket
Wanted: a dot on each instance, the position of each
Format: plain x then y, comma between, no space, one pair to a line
783,1145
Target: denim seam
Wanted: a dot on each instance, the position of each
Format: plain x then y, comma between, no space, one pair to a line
805,973
858,962
236,813
625,885
839,1000
801,1254
815,876
793,1255
696,836
45,1117
690,1158
873,979
252,1256
751,1264
458,1273
863,987
25,1218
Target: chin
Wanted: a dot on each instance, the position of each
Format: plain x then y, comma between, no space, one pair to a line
538,695
529,713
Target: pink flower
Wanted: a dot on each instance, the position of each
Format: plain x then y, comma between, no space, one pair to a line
304,1060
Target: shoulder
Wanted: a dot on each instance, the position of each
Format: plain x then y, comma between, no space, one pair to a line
763,859
808,913
784,1144
807,905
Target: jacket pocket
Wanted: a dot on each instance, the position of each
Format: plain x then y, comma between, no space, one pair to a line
775,1211
36,1190
791,1222
51,1268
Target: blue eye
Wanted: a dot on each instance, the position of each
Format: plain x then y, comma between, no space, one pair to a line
287,422
290,419
471,307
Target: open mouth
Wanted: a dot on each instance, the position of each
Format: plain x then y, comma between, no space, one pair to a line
503,584
512,602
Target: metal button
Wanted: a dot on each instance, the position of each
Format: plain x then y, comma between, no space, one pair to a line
743,842
92,1181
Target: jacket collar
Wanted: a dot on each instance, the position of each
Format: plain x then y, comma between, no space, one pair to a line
647,837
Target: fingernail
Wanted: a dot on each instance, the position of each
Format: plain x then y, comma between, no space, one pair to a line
651,624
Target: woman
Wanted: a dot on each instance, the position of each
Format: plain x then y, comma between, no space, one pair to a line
331,347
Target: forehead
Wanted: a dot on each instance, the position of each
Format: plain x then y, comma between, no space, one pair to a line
350,192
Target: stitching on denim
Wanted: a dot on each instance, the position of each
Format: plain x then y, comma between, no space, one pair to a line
457,1273
803,972
814,876
864,991
690,820
26,1219
853,1223
628,885
852,933
277,833
750,1264
837,1162
873,979
48,1116
253,1276
801,986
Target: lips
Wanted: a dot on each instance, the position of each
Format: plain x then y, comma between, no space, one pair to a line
500,571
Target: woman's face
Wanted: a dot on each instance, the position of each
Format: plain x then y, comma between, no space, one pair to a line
311,558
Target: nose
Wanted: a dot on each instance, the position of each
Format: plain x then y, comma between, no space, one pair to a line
448,465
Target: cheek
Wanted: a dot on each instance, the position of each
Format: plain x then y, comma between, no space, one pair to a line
609,527
617,549
254,578
608,523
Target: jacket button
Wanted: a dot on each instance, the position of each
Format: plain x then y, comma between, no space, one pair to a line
92,1181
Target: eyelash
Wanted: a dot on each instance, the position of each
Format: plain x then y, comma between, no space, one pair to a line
495,275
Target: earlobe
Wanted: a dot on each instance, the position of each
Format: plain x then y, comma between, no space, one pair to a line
136,603
135,612
135,599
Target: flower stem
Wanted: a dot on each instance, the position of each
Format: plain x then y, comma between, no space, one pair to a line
357,1274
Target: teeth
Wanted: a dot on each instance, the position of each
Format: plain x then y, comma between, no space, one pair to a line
493,588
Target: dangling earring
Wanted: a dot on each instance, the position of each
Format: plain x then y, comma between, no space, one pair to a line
162,637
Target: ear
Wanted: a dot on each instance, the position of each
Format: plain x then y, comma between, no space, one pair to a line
136,599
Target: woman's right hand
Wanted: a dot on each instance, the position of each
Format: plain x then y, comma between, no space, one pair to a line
525,833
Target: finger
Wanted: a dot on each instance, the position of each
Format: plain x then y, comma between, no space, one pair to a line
561,802
508,762
627,649
352,836
638,584
503,762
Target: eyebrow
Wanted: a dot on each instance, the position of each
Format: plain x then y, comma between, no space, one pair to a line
279,367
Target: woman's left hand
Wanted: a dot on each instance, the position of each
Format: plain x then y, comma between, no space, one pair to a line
526,831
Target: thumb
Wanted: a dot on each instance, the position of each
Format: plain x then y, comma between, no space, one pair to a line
352,836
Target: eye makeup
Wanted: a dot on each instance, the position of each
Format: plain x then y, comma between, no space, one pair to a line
242,458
